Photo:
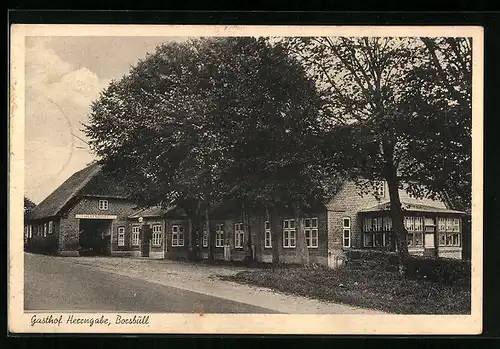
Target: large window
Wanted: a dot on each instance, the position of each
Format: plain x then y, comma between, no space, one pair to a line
121,236
238,235
414,239
177,235
51,227
103,204
418,223
157,235
135,235
415,227
311,232
267,235
377,231
387,223
289,233
449,231
346,232
219,235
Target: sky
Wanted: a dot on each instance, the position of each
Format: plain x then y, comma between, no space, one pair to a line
63,76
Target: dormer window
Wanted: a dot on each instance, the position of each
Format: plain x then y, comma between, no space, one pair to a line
103,204
379,189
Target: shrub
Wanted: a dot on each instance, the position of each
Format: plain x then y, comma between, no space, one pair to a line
443,270
372,259
43,245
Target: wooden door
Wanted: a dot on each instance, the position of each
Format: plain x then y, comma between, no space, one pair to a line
145,248
145,240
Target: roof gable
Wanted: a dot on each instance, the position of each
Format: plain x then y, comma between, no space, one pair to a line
349,191
53,203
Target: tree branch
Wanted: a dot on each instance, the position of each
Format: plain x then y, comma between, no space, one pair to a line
350,68
361,69
330,81
458,54
432,51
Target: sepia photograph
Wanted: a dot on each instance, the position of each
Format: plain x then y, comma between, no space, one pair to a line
214,179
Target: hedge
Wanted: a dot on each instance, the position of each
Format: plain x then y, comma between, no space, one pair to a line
442,270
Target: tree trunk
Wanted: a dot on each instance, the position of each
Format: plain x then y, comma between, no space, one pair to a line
246,234
399,231
274,235
301,243
249,241
192,241
196,228
211,238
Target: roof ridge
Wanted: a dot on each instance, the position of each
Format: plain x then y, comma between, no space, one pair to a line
82,185
51,204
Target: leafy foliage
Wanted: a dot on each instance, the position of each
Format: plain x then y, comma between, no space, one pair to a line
231,111
28,206
439,109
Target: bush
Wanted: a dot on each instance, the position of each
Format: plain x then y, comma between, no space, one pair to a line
362,286
442,270
372,259
43,245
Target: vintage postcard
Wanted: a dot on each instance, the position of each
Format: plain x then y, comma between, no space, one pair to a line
245,179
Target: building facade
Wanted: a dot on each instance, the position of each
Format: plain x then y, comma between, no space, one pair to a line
82,215
89,214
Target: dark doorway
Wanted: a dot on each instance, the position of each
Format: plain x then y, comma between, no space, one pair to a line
95,237
145,240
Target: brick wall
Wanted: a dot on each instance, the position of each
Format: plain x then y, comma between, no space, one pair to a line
257,230
348,202
177,252
68,237
289,255
40,224
218,251
69,224
450,252
165,250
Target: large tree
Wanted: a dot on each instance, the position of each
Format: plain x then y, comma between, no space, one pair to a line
151,130
211,122
439,103
368,87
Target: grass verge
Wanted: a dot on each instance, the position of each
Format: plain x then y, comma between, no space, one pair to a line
362,286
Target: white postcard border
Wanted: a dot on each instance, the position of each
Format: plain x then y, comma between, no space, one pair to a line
19,320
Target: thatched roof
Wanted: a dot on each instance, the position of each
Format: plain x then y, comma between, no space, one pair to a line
90,181
54,203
